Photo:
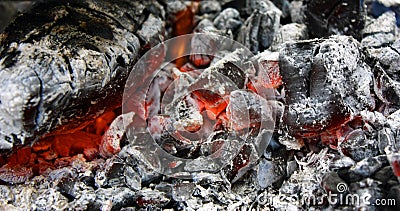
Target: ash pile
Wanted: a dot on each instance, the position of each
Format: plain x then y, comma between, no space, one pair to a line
333,69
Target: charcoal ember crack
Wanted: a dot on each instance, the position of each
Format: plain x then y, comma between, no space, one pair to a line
318,76
69,63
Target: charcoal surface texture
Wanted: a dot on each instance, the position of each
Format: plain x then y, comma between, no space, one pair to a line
327,81
69,64
335,17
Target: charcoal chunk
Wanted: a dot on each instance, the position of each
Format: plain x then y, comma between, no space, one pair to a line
289,32
358,146
380,32
258,31
319,77
345,17
270,172
69,64
228,19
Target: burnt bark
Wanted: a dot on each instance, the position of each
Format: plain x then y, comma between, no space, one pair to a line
64,63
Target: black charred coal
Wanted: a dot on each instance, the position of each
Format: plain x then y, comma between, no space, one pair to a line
319,77
344,17
69,63
258,31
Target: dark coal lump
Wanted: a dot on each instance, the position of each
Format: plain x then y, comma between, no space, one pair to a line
344,17
327,81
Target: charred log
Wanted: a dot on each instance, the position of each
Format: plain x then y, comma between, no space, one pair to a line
64,63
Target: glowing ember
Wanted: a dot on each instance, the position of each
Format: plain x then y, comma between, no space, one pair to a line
57,151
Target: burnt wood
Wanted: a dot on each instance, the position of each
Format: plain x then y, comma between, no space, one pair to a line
64,63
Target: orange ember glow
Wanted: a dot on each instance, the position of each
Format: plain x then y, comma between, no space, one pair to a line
55,151
183,24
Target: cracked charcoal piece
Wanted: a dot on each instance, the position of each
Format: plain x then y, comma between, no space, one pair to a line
46,87
258,31
326,82
344,17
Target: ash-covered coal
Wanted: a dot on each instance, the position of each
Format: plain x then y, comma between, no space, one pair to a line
326,81
338,118
69,64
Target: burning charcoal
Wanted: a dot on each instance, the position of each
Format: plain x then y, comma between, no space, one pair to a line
387,81
318,77
357,146
268,74
297,9
345,17
289,32
380,32
186,115
291,142
158,86
248,111
76,143
228,19
387,89
247,7
46,87
163,131
242,162
152,198
230,67
259,29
